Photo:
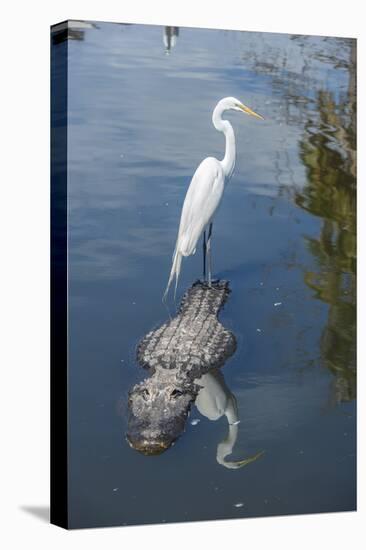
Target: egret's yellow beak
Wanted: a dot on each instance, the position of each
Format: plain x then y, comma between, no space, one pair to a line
249,111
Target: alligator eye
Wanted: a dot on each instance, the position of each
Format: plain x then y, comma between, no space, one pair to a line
145,393
176,393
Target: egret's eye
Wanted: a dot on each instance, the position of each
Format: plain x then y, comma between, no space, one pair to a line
176,393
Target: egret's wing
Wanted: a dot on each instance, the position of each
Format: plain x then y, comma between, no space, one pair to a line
202,199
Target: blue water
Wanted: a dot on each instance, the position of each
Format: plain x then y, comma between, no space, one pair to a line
139,124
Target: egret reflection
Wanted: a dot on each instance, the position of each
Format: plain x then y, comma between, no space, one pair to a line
215,400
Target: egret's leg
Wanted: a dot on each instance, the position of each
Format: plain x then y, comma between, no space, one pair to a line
204,256
209,254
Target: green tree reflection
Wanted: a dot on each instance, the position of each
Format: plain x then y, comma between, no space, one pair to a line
328,151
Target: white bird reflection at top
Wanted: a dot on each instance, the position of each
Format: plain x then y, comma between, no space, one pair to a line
170,38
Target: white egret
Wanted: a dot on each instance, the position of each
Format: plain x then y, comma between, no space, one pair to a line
205,193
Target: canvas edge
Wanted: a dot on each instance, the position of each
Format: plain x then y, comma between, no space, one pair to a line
59,293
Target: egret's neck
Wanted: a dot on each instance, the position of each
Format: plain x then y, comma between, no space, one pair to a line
228,162
226,446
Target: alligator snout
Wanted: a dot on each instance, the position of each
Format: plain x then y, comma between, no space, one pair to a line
148,446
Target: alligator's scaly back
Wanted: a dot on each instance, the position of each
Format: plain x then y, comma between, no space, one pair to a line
194,340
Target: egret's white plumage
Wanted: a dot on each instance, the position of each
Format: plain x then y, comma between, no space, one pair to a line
202,199
205,191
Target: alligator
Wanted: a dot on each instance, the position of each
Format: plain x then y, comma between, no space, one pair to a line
176,355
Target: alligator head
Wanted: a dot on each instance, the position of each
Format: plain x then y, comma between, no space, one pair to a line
158,409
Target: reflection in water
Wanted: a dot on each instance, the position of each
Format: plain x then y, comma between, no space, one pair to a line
328,151
170,38
70,30
215,400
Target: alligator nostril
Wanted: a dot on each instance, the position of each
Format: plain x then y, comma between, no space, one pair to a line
148,446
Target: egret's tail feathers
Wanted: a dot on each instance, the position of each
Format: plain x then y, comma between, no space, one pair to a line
175,271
